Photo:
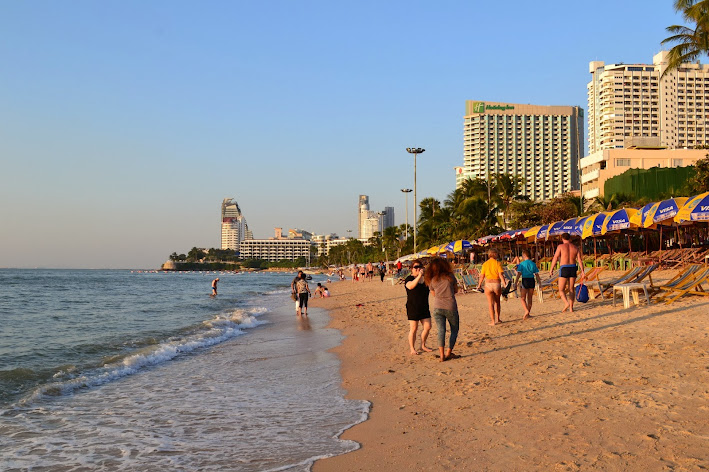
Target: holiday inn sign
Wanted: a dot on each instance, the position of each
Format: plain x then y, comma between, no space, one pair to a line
480,107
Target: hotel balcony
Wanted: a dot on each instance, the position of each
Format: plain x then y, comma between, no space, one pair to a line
593,175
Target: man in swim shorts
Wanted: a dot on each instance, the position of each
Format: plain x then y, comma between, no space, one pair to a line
568,256
214,286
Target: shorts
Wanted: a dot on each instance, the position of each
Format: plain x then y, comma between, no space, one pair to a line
493,286
418,316
568,271
528,282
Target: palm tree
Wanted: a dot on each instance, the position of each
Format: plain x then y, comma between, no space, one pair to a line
508,189
689,43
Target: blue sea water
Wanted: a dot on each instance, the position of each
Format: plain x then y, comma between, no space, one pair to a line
121,370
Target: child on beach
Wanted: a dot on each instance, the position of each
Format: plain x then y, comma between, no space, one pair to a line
443,286
528,271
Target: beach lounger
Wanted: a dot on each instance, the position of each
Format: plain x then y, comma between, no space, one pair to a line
693,285
680,278
630,274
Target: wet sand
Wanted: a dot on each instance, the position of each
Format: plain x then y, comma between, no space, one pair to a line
603,388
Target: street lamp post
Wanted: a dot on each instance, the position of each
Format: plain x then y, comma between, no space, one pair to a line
407,191
381,228
415,152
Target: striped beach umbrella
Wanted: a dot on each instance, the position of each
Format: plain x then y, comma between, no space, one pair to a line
561,227
664,212
536,233
486,239
593,225
458,246
696,209
578,226
432,251
618,220
639,217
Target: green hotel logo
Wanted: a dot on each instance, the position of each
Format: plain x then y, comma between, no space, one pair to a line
480,107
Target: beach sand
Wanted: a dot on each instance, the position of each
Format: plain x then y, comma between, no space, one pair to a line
603,388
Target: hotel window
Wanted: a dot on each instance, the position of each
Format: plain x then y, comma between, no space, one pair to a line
622,162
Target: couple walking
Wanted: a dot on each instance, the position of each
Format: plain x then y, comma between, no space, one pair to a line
440,282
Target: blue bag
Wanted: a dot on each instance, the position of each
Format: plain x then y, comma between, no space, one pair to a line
582,293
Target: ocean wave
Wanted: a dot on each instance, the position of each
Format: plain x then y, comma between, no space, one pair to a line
222,327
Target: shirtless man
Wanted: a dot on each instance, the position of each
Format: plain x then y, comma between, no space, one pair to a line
568,255
214,286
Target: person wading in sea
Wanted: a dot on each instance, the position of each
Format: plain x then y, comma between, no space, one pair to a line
568,255
214,286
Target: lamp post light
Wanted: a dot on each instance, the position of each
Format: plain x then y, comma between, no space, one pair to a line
407,191
415,152
381,228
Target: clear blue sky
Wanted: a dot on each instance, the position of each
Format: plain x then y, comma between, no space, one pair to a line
123,124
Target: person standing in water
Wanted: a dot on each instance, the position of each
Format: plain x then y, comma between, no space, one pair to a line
568,255
214,286
303,293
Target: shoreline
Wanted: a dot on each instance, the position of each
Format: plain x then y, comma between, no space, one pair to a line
603,387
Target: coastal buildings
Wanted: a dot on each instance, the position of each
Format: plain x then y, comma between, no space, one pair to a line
542,144
638,119
600,166
370,222
233,225
630,105
276,248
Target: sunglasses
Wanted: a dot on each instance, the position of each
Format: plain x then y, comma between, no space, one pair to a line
416,267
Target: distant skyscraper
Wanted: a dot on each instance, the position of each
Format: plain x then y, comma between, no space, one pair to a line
362,214
388,218
233,225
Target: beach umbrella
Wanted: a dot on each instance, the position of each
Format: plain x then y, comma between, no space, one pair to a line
695,209
458,246
593,225
664,211
561,227
618,220
486,239
578,226
432,251
639,217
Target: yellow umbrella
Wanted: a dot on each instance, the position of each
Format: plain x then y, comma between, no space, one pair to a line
593,225
695,209
618,220
433,250
664,212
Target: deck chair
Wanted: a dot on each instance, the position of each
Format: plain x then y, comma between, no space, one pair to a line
691,286
644,274
630,274
550,284
590,278
680,278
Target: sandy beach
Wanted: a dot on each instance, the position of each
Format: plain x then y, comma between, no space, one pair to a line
603,388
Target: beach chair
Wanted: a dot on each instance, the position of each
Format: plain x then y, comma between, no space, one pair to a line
590,278
644,274
551,284
691,286
680,278
630,274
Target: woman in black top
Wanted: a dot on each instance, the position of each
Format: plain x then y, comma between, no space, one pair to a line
417,306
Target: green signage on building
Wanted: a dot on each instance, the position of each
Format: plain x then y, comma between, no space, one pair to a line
480,107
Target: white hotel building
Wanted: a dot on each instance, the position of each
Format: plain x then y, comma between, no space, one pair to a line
631,107
542,144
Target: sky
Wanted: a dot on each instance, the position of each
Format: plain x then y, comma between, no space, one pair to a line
124,124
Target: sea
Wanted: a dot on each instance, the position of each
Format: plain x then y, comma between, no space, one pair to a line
142,370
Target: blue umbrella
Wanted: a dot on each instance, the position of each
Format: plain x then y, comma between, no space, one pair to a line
696,209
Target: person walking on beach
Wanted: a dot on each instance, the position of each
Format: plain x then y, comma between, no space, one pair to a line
362,273
303,292
417,309
441,282
382,271
528,270
214,286
370,271
494,277
293,290
568,255
399,265
355,272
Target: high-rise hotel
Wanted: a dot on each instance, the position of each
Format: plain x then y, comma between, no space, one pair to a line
542,144
234,227
639,119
